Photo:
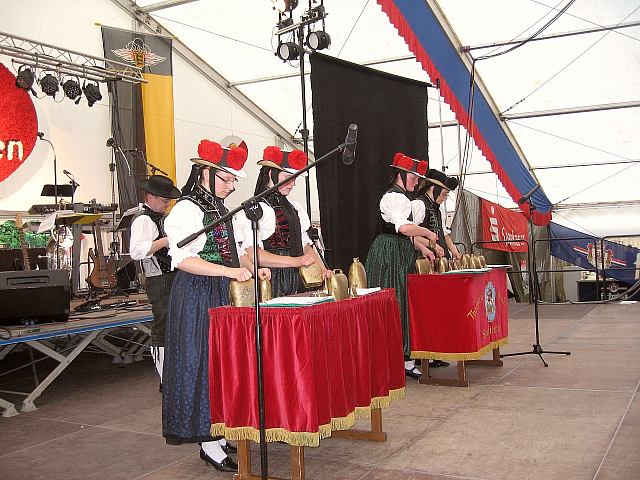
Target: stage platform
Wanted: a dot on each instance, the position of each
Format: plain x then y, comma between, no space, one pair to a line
577,419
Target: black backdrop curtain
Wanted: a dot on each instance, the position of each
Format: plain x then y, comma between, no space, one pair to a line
391,114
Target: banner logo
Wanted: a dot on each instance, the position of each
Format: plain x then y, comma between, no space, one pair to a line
594,256
508,229
490,301
139,53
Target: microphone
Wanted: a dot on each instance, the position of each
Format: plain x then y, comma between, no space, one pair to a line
67,173
41,135
71,177
349,152
112,143
528,195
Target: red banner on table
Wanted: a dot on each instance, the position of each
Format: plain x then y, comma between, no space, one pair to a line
457,316
324,366
504,226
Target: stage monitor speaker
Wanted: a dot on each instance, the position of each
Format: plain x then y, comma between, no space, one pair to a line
38,295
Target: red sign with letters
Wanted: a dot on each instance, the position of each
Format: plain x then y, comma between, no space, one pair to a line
503,226
18,124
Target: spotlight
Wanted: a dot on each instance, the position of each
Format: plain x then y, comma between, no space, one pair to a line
318,40
25,78
288,51
92,92
284,5
49,85
71,89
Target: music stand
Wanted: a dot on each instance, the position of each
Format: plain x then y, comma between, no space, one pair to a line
65,190
127,218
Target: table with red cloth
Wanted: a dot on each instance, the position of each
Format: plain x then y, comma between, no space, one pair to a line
324,366
457,316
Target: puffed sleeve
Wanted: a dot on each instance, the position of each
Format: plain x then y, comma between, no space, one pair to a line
266,226
418,209
184,219
305,223
143,233
395,208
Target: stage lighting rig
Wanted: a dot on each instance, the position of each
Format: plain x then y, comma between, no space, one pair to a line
92,92
284,5
25,78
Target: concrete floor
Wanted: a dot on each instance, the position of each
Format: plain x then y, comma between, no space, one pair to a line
577,419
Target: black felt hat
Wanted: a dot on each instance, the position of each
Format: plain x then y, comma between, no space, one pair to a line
160,186
452,183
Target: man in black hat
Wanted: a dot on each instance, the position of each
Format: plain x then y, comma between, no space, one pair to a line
149,245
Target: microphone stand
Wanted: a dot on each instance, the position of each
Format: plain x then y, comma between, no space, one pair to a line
254,213
534,289
55,192
139,154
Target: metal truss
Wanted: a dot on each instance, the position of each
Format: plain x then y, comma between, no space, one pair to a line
67,62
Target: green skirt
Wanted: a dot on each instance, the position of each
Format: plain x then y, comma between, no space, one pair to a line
390,259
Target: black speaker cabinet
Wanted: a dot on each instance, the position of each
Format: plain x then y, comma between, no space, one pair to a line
37,295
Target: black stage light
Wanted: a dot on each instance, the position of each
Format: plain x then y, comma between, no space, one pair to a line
71,89
25,78
92,92
284,5
49,85
318,40
288,51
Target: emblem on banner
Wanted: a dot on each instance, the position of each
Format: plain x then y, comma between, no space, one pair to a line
490,301
594,256
139,53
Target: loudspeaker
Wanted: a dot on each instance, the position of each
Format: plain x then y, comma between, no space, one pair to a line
37,295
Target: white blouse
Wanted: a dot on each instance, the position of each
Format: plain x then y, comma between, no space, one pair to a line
419,211
184,219
396,208
267,225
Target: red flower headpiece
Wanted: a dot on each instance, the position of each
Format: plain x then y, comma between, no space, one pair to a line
236,157
402,161
210,151
273,154
422,167
297,159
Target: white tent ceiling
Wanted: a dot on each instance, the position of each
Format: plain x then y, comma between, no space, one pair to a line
236,38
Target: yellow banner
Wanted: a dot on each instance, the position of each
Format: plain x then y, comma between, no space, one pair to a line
157,107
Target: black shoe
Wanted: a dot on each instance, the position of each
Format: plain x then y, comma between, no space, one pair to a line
438,364
413,373
228,448
226,465
160,387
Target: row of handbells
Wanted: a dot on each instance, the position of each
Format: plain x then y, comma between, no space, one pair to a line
338,285
424,266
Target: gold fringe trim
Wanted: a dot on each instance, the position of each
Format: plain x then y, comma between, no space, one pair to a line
306,439
460,356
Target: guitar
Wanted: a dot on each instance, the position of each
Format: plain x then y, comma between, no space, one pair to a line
104,268
26,265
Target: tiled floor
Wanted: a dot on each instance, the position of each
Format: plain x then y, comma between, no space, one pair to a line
577,419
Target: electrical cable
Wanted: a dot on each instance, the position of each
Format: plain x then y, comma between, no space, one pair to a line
353,28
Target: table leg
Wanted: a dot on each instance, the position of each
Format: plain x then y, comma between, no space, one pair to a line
426,379
376,434
495,362
297,463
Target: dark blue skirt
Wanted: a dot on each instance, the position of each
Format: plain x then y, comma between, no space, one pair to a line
186,416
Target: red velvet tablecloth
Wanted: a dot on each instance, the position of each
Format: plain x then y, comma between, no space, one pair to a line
324,366
457,316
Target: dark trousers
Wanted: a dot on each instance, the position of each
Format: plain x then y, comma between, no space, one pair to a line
158,290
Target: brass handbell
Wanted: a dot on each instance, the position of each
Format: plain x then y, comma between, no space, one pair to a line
424,266
265,290
311,275
440,264
456,264
241,294
338,285
357,275
475,261
483,261
466,260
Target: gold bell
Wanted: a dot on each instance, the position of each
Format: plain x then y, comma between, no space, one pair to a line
439,265
241,294
475,262
338,285
311,275
466,260
357,275
483,261
424,266
456,265
265,290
